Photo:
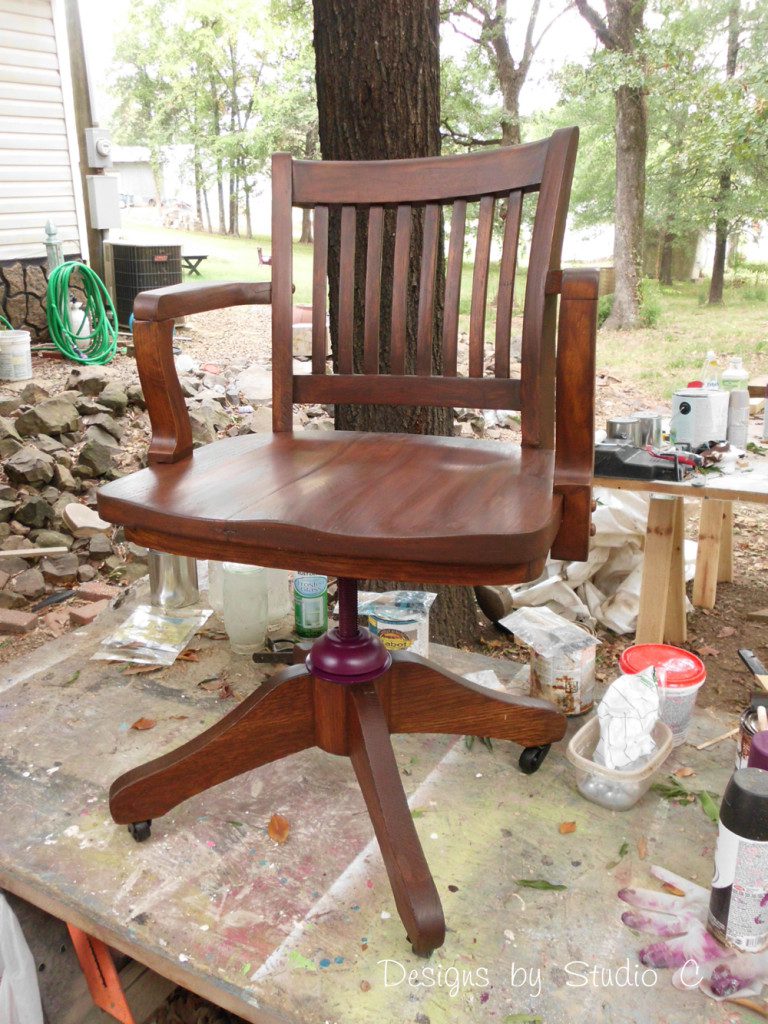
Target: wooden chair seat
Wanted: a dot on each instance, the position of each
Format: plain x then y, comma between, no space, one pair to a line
466,509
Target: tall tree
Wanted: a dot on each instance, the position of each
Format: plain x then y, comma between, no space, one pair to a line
620,33
378,97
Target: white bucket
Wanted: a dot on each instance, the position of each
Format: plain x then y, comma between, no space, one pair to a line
15,355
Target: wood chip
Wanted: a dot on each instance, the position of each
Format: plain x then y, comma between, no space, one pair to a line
642,847
672,889
684,772
565,827
142,724
278,828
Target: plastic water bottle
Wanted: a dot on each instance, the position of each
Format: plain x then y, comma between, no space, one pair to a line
734,379
710,372
310,602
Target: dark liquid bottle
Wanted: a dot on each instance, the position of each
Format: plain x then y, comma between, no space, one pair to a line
738,906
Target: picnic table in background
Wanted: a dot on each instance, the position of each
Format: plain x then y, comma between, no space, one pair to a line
191,263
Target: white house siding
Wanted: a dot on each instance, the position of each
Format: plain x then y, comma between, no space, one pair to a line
36,176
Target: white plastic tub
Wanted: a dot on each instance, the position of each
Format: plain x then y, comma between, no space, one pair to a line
15,355
608,787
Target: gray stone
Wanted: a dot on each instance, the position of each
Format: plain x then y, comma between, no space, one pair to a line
100,546
203,425
6,510
10,599
9,446
82,521
189,386
51,494
136,396
9,403
260,421
19,529
86,573
211,380
50,539
61,568
28,465
255,383
107,423
8,493
34,512
127,571
8,429
63,477
33,393
115,398
88,406
49,444
101,436
87,380
71,439
5,531
52,416
13,564
17,543
95,457
30,584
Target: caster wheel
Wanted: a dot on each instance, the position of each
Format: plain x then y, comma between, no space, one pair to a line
532,758
140,830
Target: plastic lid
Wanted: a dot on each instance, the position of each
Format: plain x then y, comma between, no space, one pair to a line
681,668
758,751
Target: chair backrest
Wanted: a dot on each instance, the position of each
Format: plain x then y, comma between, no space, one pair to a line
360,192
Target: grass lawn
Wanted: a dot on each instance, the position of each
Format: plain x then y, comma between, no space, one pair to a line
657,359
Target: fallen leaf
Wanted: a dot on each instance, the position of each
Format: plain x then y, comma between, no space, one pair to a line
211,685
672,889
684,772
365,986
278,828
179,718
642,847
565,827
709,806
226,691
539,883
708,652
140,670
189,656
727,631
453,888
142,724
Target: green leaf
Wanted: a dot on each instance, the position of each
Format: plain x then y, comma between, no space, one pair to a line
523,1018
623,849
418,813
709,806
539,883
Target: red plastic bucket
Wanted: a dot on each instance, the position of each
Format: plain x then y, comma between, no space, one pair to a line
680,674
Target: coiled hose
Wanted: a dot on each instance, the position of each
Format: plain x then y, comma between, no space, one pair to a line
100,345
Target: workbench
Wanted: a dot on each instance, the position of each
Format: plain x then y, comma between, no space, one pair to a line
661,617
307,931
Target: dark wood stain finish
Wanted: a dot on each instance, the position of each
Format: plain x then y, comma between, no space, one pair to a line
391,506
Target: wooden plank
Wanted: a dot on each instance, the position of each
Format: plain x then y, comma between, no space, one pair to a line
657,569
373,290
725,561
708,553
401,263
145,992
675,623
749,487
399,389
320,290
453,287
282,293
427,289
480,287
347,288
506,292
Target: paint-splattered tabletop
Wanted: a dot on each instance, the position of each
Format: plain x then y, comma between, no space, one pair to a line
307,931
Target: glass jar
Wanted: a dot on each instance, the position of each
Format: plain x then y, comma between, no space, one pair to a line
245,606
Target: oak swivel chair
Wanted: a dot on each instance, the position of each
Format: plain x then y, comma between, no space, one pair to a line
376,505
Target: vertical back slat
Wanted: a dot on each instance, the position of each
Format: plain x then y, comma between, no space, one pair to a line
347,288
506,291
537,378
480,287
282,297
373,290
453,287
427,289
400,266
320,290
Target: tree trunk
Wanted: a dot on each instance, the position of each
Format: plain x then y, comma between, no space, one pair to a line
198,192
216,121
248,222
207,210
234,228
667,252
378,97
306,227
721,221
629,207
721,245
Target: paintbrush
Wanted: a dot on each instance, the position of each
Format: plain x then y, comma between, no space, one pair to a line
755,666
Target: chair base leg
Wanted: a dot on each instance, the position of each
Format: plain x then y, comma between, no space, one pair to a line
354,718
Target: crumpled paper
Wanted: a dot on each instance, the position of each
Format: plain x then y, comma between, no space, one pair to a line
627,714
606,588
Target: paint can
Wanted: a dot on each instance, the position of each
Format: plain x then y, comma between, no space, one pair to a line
15,355
748,727
738,906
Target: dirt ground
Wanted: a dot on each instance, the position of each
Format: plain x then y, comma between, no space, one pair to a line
235,338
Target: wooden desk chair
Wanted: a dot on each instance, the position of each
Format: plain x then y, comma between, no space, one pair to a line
373,505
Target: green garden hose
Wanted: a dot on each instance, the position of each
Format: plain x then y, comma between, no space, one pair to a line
100,345
6,323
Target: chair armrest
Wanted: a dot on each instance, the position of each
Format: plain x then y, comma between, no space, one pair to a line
186,299
575,410
154,313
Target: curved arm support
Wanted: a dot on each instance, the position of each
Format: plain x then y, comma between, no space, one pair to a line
575,410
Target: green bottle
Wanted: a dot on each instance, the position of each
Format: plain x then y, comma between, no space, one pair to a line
310,603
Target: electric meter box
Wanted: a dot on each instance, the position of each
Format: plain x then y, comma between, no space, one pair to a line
103,200
98,147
